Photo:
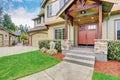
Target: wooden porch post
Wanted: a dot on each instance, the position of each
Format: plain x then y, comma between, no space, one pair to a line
66,26
100,22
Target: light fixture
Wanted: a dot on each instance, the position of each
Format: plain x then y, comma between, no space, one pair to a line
78,19
92,17
83,12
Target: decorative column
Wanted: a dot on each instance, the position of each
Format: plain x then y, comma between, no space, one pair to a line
100,22
66,26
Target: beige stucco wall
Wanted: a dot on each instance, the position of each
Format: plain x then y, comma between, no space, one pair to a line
108,30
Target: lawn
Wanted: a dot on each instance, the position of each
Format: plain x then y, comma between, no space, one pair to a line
16,66
101,76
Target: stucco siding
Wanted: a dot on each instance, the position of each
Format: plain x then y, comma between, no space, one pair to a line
108,30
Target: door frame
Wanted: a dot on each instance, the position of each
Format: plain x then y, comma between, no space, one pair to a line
87,24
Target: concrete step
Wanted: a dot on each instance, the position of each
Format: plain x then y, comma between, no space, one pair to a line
80,61
82,52
81,56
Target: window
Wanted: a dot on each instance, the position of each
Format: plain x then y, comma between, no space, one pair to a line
39,21
60,33
49,10
118,29
52,9
62,3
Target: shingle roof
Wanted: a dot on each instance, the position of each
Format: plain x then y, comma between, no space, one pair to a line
17,33
38,28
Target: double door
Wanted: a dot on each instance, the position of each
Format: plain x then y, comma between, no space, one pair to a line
87,33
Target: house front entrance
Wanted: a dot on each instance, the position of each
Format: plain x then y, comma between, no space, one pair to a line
86,34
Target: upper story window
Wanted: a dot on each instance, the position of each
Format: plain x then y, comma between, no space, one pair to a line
62,3
52,9
117,22
39,21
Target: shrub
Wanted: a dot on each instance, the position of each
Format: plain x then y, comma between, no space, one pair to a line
46,44
114,50
52,51
43,50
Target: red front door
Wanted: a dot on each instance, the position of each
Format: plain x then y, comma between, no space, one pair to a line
87,34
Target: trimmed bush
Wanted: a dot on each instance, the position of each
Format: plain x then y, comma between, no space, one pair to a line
46,44
52,51
43,50
114,50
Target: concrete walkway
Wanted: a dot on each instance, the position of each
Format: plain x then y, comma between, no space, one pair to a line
5,51
63,71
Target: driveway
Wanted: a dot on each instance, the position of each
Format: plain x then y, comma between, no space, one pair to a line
5,51
63,71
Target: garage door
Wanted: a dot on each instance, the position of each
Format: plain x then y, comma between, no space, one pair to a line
1,39
37,37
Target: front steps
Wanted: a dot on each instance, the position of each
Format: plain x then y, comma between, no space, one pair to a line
80,57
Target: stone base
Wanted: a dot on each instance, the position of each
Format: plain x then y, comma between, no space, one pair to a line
101,57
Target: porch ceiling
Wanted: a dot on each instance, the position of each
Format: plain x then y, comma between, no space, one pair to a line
90,12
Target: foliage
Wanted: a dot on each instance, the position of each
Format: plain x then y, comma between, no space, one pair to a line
19,65
1,16
8,24
101,76
23,29
24,36
43,50
114,50
52,51
46,44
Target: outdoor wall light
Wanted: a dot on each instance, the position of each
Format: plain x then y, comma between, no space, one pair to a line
83,12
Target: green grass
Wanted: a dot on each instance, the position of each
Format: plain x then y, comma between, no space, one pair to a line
16,66
101,76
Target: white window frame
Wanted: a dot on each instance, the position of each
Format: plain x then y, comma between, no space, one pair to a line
53,8
116,21
55,33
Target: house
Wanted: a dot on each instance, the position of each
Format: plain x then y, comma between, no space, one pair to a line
6,37
81,21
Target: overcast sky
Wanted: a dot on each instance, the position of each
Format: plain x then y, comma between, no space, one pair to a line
22,11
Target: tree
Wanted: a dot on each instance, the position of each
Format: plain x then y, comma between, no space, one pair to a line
1,15
23,29
8,24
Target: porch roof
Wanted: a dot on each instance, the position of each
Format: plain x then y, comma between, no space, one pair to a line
38,28
107,6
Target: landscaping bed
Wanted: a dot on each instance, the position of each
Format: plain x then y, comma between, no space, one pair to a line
110,67
16,66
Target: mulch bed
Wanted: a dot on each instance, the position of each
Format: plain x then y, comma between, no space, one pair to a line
110,67
59,56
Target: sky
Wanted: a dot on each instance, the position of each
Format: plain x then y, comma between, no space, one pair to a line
22,11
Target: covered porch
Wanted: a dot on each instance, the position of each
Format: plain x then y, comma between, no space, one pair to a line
83,20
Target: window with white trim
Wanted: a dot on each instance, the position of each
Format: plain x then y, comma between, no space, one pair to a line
62,3
59,33
118,29
52,9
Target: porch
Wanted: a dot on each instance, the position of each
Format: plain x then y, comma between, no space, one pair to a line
83,20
